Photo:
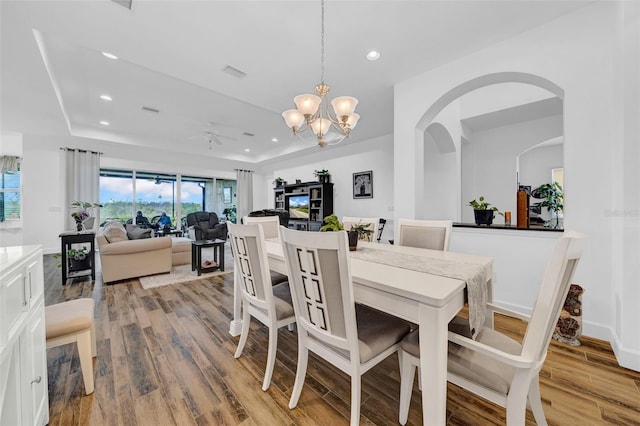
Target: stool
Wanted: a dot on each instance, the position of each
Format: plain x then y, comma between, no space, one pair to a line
72,322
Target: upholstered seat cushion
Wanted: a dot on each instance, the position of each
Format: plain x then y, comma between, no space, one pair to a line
377,331
423,237
68,317
475,366
282,300
277,278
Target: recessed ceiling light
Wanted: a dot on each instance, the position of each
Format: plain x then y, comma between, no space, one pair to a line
105,97
247,150
109,55
373,55
104,123
274,139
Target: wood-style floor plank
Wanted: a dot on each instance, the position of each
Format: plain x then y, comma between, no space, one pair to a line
165,357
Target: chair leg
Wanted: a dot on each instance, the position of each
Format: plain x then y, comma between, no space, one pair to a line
356,386
516,406
246,321
407,373
536,403
94,351
301,372
271,356
86,360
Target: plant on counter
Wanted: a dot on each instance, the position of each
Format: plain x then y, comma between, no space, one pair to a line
332,223
483,212
553,196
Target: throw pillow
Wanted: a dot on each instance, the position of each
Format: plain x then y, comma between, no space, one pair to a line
134,232
114,232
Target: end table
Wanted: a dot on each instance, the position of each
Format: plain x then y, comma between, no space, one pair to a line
68,238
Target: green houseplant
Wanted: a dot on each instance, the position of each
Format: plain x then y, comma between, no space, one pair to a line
332,223
323,175
364,230
279,182
483,211
552,195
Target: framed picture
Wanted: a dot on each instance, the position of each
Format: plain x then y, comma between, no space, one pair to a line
226,194
363,184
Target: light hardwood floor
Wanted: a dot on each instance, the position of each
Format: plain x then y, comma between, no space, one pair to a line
165,357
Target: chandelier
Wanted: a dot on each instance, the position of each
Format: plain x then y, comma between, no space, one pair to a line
312,111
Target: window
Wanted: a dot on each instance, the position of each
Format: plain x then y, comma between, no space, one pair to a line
11,196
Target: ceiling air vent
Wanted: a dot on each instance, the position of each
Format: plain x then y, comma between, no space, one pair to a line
248,134
149,109
124,3
233,71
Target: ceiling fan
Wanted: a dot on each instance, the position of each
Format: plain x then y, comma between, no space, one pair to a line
213,136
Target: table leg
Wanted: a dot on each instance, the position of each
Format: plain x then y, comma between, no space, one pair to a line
199,260
93,260
433,358
65,265
193,257
221,263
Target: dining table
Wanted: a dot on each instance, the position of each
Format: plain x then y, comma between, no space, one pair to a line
419,285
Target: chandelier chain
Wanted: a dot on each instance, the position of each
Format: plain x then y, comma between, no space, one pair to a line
322,44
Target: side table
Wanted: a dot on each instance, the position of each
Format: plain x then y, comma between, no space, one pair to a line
196,255
68,238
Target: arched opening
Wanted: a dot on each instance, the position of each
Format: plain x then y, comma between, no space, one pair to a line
451,169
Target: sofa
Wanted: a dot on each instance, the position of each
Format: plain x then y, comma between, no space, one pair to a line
205,226
129,253
283,215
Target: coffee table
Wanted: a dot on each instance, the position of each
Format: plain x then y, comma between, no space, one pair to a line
196,255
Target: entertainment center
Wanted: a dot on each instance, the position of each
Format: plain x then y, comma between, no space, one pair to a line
308,203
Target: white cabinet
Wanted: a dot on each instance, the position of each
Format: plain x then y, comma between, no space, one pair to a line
23,360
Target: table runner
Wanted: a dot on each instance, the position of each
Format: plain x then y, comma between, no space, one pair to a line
475,276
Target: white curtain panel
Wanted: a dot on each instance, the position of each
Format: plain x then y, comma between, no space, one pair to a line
8,163
82,182
245,193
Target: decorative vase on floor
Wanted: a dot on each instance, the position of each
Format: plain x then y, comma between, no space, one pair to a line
569,326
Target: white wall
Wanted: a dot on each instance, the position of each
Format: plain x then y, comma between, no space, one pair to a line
375,155
592,55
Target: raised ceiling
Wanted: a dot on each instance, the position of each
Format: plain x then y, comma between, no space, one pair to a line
173,54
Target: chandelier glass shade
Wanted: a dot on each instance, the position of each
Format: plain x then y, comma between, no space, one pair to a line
312,111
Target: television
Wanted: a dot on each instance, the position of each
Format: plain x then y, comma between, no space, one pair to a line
298,206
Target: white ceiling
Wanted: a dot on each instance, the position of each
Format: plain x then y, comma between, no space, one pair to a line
172,55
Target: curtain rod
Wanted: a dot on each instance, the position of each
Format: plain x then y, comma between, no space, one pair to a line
243,170
62,148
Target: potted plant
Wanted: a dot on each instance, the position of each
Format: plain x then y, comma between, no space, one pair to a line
359,232
322,175
77,258
552,195
332,223
279,182
83,214
483,212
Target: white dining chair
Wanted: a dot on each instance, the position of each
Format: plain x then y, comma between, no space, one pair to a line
429,234
352,337
269,304
271,228
348,222
270,225
494,366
